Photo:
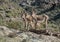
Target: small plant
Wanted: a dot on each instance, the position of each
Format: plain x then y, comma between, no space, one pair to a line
14,24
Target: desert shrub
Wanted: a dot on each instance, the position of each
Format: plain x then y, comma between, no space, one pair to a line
15,25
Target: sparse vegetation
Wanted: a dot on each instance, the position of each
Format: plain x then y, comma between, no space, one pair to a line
14,8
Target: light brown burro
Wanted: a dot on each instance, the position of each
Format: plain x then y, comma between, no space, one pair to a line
27,18
34,20
40,19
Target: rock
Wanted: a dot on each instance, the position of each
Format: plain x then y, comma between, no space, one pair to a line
13,35
6,31
32,37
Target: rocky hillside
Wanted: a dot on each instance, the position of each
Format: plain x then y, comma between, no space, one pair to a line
11,21
10,14
11,10
12,35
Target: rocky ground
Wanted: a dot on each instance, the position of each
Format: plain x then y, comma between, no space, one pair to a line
10,20
12,35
